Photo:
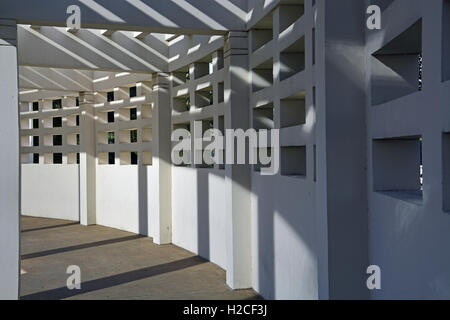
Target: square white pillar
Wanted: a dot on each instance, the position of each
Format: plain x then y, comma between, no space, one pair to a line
9,162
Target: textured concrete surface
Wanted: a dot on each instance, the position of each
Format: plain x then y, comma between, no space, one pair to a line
114,265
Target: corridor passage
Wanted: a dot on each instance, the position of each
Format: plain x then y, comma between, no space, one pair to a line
114,265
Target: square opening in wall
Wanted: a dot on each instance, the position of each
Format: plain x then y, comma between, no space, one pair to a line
36,141
36,158
203,67
35,106
72,120
147,134
262,32
397,166
293,110
57,158
397,67
25,141
133,92
262,75
180,77
292,59
72,139
128,158
73,158
35,123
263,117
147,158
293,161
290,13
204,97
133,114
57,140
57,104
133,136
57,122
111,117
110,96
147,111
182,103
221,93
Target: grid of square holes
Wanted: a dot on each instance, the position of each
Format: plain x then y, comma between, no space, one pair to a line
50,132
405,156
197,97
124,125
283,94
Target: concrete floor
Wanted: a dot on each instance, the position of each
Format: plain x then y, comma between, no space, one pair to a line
114,265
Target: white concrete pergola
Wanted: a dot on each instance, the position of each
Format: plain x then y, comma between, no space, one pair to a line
348,194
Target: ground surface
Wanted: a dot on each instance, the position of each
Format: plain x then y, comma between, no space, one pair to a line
114,265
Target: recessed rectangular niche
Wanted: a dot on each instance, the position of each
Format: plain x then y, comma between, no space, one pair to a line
147,134
25,141
128,136
26,158
293,110
72,139
204,97
263,117
221,93
57,140
128,158
182,103
203,67
57,158
73,120
263,75
35,123
397,167
180,77
292,59
73,158
57,122
106,158
262,32
147,158
147,111
57,104
293,161
291,13
397,67
125,114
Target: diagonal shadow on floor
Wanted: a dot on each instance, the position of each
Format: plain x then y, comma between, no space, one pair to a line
79,247
115,280
52,227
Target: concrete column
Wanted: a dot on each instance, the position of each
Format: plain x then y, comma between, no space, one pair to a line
238,177
88,158
341,202
9,162
160,186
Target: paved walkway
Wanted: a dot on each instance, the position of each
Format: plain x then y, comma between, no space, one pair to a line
114,265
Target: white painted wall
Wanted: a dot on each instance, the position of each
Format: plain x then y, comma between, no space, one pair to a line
198,212
283,238
118,197
50,191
